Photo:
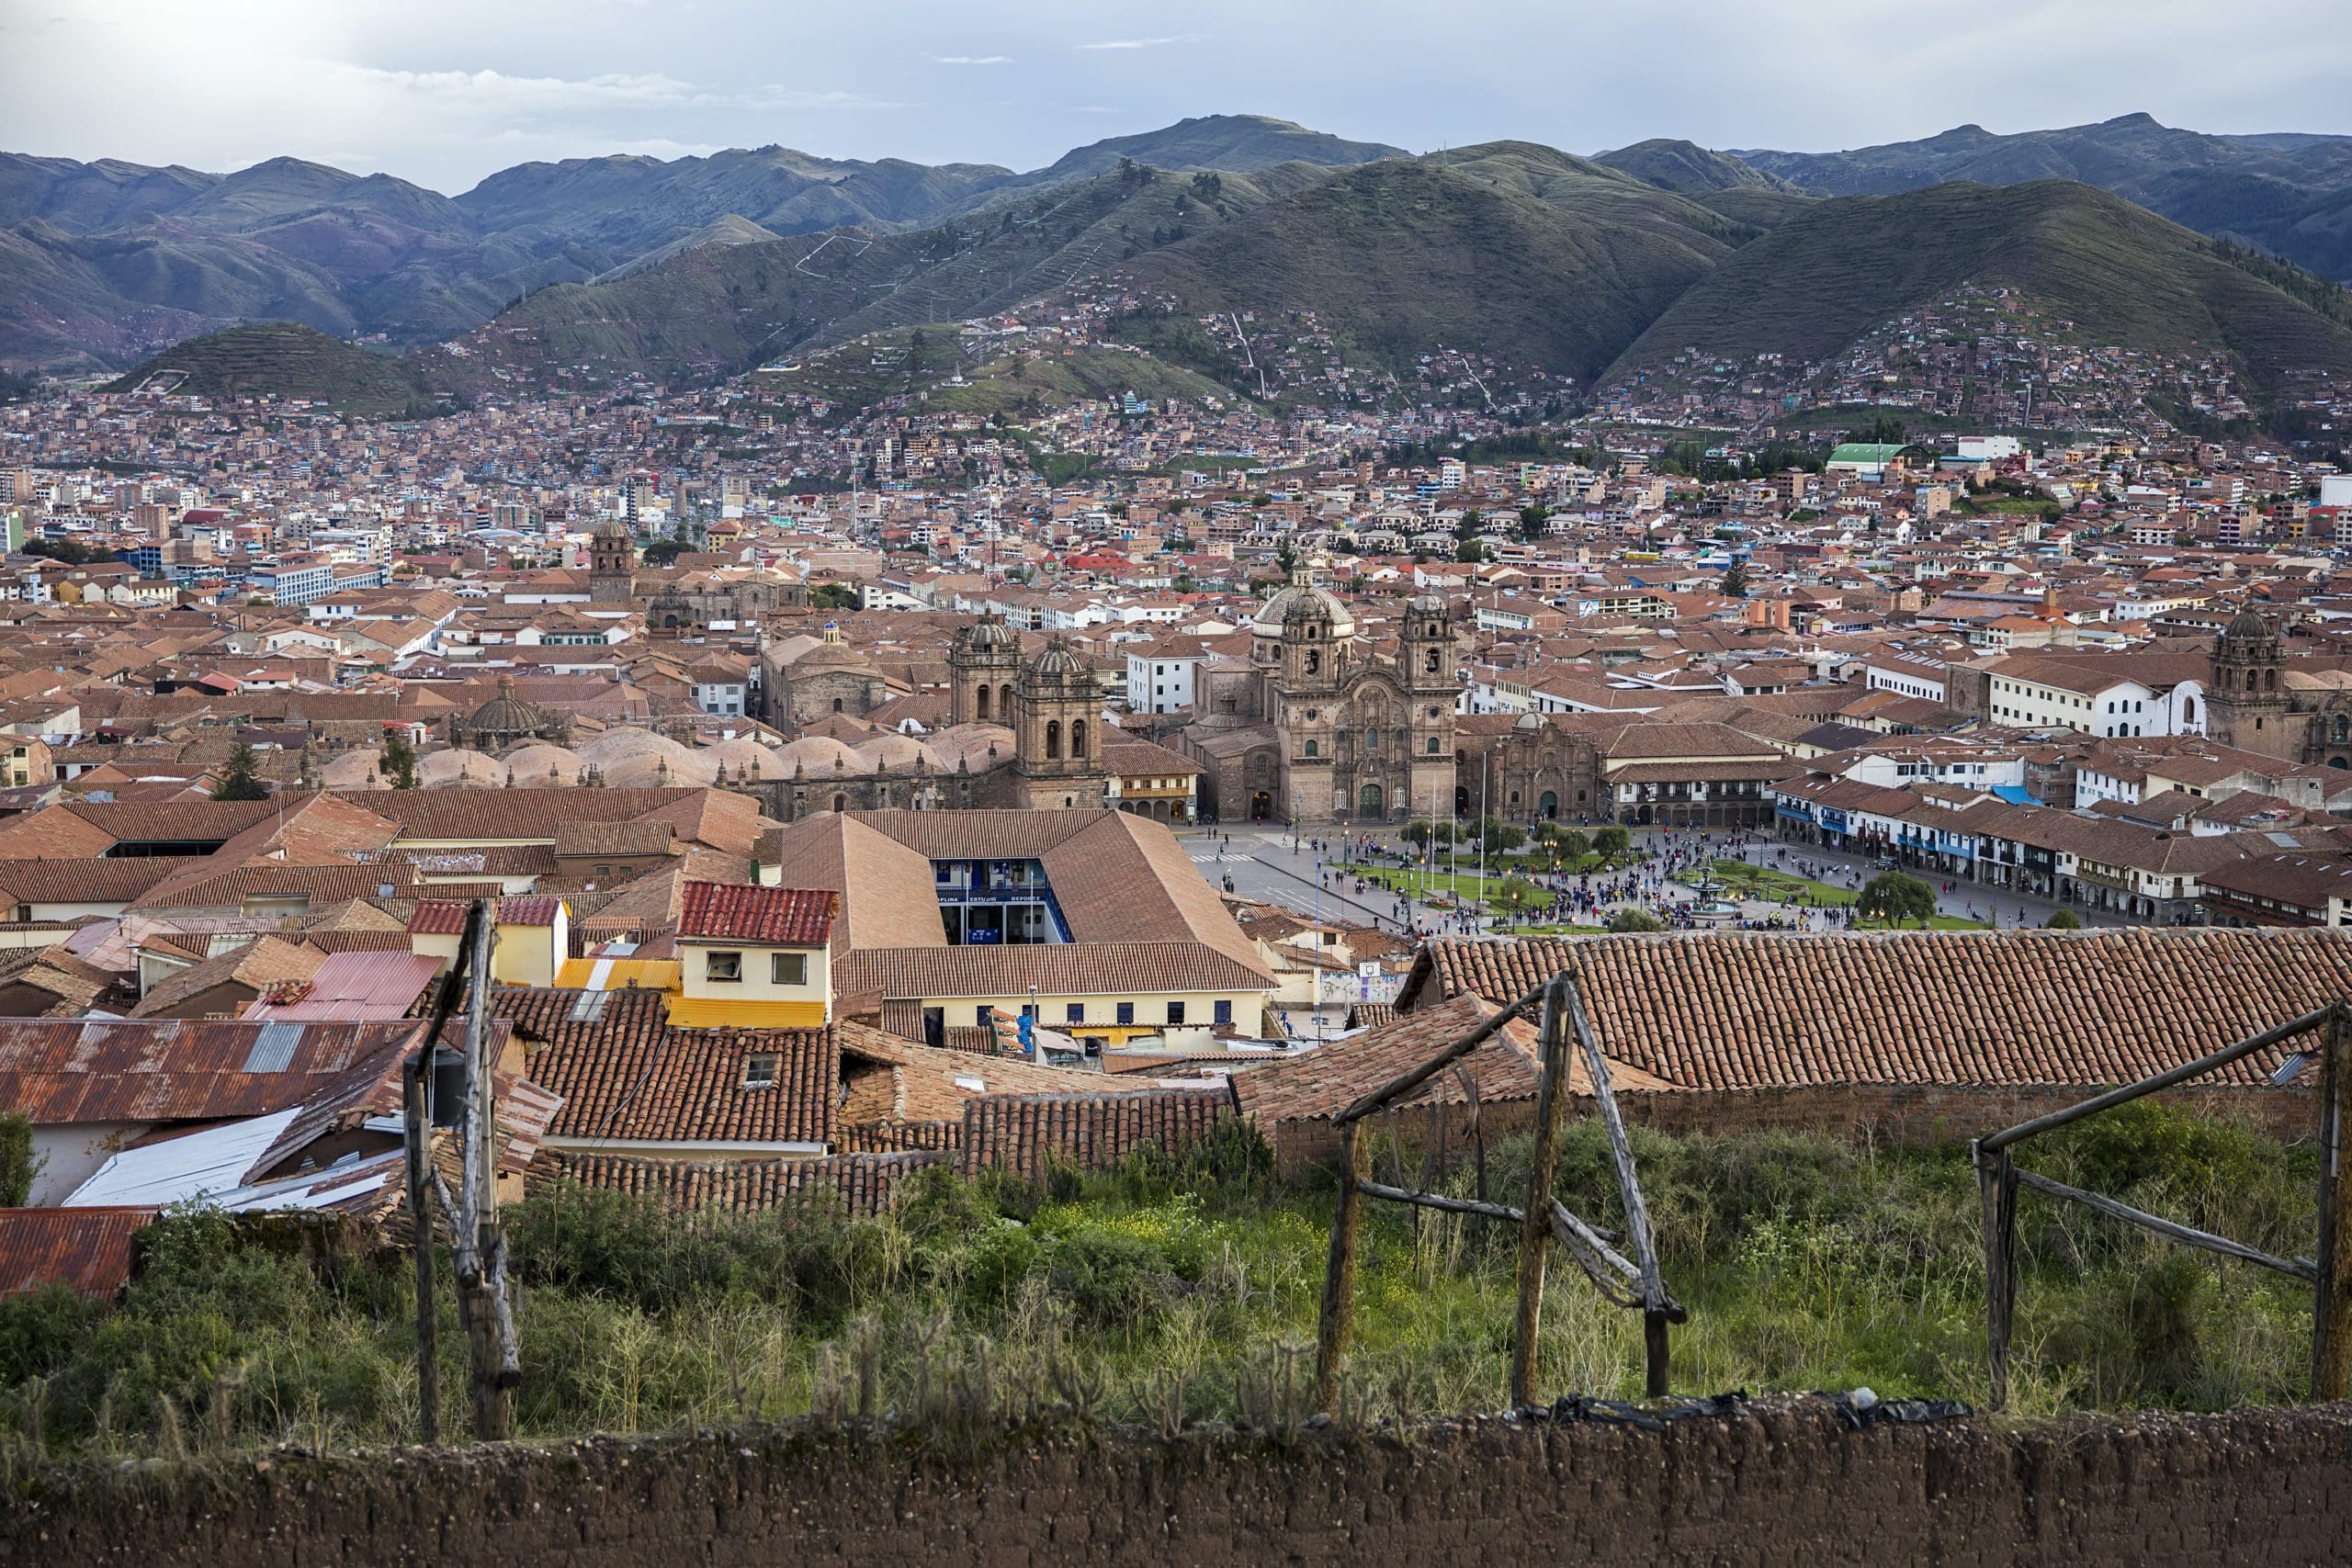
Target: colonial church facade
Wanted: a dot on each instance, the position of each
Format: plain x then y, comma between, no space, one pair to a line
678,601
1315,727
2260,701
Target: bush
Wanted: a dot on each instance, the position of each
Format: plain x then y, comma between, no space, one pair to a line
2063,920
17,1165
1634,920
1110,1280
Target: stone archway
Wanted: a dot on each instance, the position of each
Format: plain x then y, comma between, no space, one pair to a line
1261,806
1371,802
1548,806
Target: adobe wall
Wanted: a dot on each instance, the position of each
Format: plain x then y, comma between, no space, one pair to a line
1773,1483
1916,1116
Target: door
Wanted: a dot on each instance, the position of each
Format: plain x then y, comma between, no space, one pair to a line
1368,801
1548,803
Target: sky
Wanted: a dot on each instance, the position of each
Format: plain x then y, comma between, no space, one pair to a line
443,93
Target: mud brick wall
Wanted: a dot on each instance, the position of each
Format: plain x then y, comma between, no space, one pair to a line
1776,1484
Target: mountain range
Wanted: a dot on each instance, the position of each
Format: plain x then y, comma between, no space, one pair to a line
1595,267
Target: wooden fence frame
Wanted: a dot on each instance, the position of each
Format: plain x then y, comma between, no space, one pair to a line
1998,1178
477,1237
1634,1282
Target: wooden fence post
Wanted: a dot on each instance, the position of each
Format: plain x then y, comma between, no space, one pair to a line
2332,1309
417,1131
1535,1226
1997,1185
1336,1324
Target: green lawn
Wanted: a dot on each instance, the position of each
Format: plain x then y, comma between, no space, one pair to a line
1777,886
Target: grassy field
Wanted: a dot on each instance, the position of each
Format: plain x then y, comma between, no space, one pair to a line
1745,880
1171,1292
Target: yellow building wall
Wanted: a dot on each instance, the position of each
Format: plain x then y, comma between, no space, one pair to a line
757,999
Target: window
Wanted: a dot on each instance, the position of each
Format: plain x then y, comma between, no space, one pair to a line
722,967
1310,748
1127,1013
1175,1012
760,1069
1224,1011
788,968
1074,1013
984,1016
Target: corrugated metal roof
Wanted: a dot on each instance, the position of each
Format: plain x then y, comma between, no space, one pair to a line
89,1249
60,1072
353,987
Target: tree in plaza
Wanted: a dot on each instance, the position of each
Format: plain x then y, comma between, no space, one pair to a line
398,762
1611,842
1497,837
243,780
1421,833
2063,920
1570,845
1896,897
1634,920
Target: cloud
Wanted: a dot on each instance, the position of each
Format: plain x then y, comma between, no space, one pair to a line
1138,42
971,60
496,92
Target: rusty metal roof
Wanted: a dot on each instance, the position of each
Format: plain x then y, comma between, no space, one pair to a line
88,1248
62,1071
350,987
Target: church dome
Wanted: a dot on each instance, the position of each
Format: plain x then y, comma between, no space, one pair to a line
2249,625
820,755
507,714
1303,604
1057,664
991,635
1427,604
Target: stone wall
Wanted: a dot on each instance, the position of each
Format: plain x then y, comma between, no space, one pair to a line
1777,1483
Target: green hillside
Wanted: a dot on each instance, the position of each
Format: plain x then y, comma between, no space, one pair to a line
2291,195
1520,250
286,360
717,310
1678,165
2121,275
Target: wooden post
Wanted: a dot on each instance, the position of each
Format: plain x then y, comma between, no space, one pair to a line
417,1132
1996,1186
480,1240
1655,1345
2332,1309
1337,1324
1535,1226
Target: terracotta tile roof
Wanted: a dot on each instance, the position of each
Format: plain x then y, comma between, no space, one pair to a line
609,838
617,1020
784,916
889,1079
864,1184
100,881
486,813
1093,1132
1737,1010
686,1085
89,1249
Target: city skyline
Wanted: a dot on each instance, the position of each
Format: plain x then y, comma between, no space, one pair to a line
443,95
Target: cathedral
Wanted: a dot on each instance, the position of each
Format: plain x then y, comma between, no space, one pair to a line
1022,733
1315,728
2260,701
677,601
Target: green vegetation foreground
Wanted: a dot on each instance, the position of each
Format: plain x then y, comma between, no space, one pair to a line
1176,1290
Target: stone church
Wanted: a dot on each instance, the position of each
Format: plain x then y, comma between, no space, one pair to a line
1313,727
680,601
1024,733
2260,701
